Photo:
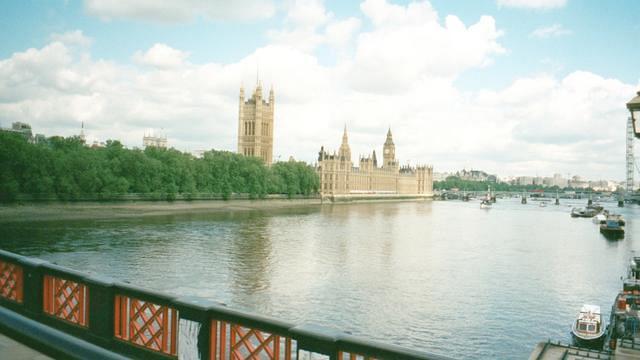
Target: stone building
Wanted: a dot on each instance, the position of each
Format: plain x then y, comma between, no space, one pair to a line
338,175
150,140
255,125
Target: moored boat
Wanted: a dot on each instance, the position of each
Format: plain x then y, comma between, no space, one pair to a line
613,227
588,329
583,212
485,204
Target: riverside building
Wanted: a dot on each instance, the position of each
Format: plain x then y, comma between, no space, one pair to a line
340,178
255,125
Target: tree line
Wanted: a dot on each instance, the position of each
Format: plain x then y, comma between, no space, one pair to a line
68,169
455,182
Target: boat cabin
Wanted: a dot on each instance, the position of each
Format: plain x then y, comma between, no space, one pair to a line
589,321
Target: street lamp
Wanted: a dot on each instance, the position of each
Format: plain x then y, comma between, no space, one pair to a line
634,108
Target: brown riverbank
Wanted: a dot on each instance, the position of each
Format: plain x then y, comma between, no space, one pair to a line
111,210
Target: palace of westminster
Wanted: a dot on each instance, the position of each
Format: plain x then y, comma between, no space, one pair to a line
338,175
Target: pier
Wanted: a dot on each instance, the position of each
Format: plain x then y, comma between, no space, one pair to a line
626,350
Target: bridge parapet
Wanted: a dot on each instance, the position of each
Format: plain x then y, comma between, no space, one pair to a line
141,323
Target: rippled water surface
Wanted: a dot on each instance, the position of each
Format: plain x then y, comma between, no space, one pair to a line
445,277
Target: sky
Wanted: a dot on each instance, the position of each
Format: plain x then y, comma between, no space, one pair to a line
512,87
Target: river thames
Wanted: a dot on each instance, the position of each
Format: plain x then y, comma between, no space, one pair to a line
444,277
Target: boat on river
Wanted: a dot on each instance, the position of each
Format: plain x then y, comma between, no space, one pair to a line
613,227
624,324
584,212
485,204
588,330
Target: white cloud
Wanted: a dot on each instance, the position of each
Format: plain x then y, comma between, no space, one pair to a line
399,71
161,56
549,31
180,10
75,37
409,44
309,25
533,4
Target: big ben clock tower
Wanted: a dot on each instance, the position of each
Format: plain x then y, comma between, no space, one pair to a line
389,152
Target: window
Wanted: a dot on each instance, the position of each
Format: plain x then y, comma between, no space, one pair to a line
582,327
592,328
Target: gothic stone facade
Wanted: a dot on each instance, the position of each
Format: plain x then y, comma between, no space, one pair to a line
255,125
338,176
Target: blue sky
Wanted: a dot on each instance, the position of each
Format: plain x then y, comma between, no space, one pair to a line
516,52
603,36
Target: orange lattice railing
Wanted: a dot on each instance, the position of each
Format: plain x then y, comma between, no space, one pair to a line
231,341
152,326
11,281
65,299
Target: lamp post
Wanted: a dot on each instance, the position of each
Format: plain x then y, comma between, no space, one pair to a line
632,131
634,108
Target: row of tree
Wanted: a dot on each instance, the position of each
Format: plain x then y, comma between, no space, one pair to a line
68,169
455,182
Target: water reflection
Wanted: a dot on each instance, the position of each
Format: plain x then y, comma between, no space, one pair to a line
447,277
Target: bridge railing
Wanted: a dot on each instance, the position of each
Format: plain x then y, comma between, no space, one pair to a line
141,323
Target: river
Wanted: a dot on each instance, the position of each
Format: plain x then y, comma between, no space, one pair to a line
441,276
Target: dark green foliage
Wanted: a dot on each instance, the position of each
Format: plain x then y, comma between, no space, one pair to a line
454,182
64,167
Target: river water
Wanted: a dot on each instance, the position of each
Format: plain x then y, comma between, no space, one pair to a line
444,277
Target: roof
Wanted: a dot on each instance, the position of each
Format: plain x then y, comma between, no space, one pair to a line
635,102
590,309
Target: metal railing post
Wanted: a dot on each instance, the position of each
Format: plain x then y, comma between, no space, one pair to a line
101,311
317,339
33,282
196,309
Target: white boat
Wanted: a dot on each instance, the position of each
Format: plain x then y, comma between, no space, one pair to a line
588,329
486,202
543,204
599,219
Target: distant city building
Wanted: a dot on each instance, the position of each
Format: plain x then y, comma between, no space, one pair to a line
22,128
255,125
524,180
475,175
338,176
441,176
25,131
150,140
559,181
577,182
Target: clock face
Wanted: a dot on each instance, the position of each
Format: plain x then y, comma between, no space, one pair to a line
386,151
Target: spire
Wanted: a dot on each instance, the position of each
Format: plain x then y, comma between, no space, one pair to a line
82,136
389,140
345,150
258,92
271,96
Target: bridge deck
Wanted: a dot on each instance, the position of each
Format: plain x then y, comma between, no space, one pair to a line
11,349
